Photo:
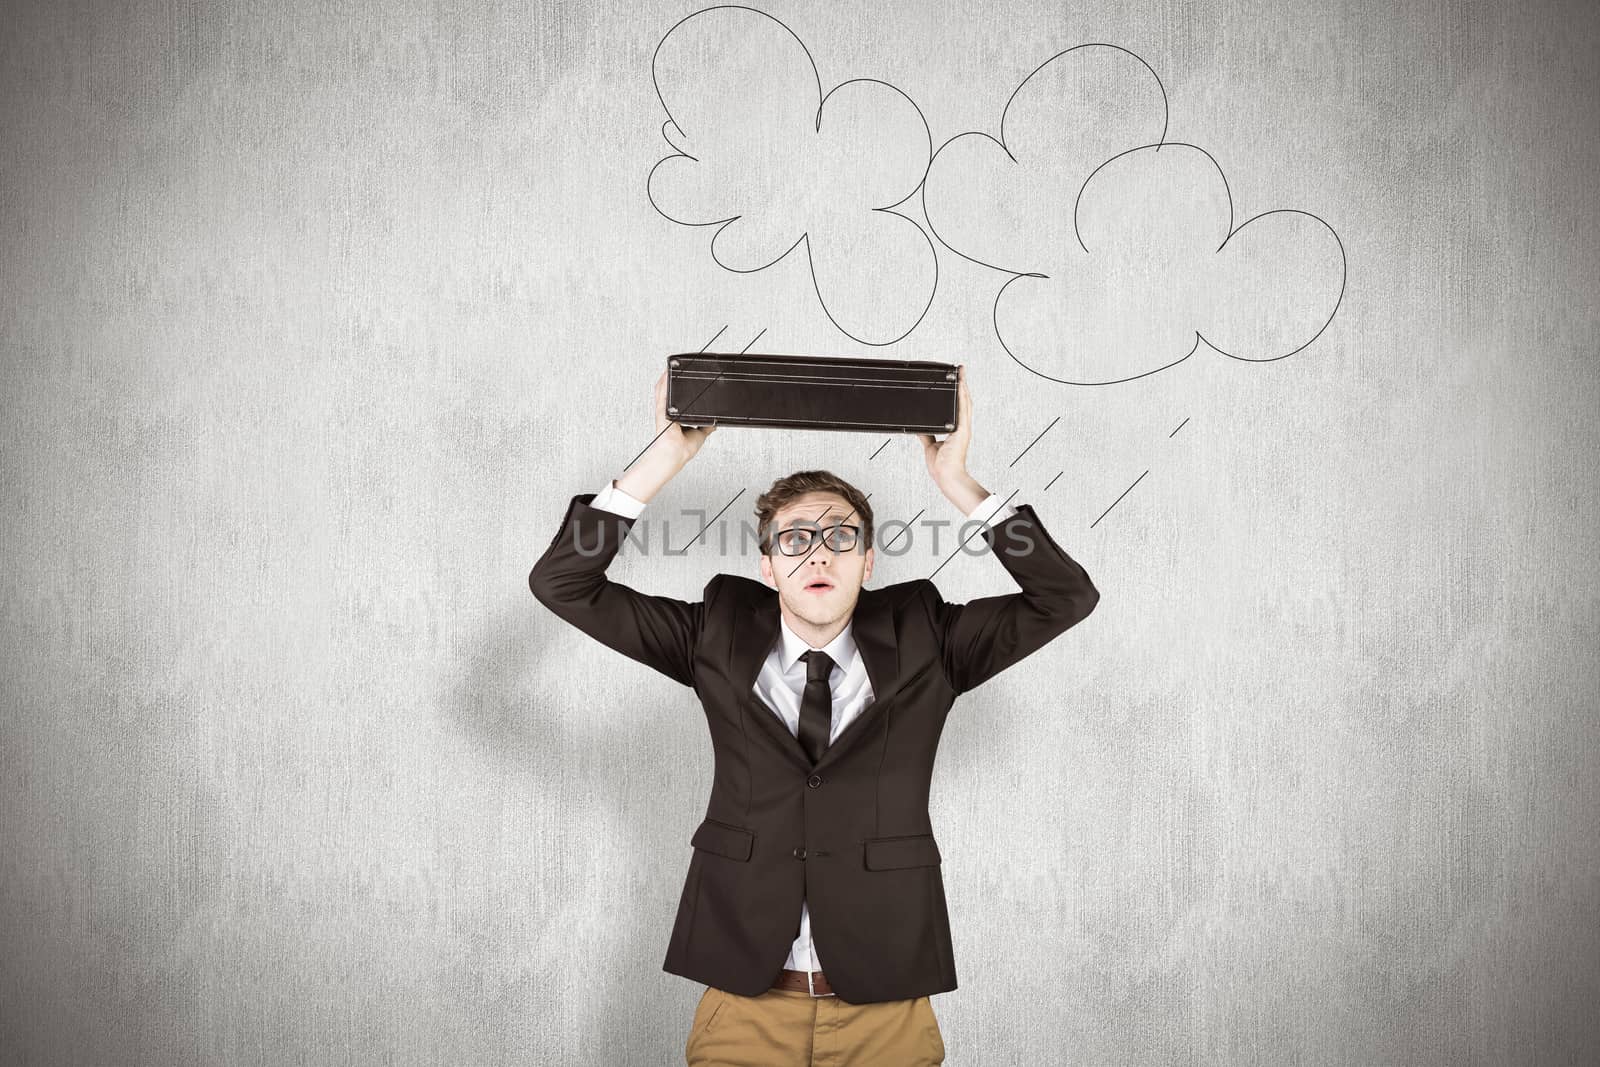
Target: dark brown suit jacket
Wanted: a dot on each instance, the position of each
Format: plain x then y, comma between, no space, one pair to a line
850,835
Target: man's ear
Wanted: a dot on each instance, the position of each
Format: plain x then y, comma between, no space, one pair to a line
766,570
866,572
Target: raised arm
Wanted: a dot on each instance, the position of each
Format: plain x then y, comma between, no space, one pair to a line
983,637
570,578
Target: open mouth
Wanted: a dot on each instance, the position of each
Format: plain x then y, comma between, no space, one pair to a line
818,585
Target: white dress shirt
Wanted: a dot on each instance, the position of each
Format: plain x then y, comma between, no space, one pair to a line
782,681
781,685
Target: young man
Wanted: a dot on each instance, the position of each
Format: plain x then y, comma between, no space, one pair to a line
813,909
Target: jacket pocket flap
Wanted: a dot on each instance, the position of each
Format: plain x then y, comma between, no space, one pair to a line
888,853
724,839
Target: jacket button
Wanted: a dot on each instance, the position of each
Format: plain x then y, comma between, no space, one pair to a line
814,781
799,853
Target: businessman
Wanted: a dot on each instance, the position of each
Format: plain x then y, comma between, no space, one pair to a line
813,909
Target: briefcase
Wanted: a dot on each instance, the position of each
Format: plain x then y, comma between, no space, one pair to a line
811,392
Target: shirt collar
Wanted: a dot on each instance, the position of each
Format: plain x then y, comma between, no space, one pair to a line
842,649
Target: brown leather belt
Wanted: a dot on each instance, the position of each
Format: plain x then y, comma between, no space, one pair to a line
804,982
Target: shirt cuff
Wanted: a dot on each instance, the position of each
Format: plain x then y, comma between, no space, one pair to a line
617,502
992,511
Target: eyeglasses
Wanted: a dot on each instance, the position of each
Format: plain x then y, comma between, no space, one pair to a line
798,540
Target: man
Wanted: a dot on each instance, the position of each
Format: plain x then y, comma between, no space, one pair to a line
813,909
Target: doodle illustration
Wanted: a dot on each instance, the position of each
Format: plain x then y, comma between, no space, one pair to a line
1122,246
773,164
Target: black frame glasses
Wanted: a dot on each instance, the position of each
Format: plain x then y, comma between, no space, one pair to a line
840,537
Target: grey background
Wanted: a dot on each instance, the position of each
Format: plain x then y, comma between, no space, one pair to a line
314,316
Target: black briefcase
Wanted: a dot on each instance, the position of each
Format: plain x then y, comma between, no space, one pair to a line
811,392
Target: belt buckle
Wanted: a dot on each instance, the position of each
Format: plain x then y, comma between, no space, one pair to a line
811,986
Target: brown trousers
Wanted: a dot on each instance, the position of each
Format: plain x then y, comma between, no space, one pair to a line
791,1028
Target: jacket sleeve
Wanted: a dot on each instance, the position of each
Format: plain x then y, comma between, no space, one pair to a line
983,637
570,579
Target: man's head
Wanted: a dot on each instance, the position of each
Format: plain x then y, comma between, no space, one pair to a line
816,544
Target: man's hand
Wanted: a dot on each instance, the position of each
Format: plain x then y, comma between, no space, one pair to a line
684,439
674,446
947,459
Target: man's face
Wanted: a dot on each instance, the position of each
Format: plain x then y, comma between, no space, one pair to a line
820,585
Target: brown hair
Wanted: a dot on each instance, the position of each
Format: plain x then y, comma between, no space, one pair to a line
786,490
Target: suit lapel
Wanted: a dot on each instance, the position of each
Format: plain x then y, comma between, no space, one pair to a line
872,626
756,632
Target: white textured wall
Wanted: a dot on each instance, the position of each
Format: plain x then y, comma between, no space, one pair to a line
314,316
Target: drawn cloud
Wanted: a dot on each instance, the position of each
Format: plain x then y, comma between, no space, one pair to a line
1122,244
762,155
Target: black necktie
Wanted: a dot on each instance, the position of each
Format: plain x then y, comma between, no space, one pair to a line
816,706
